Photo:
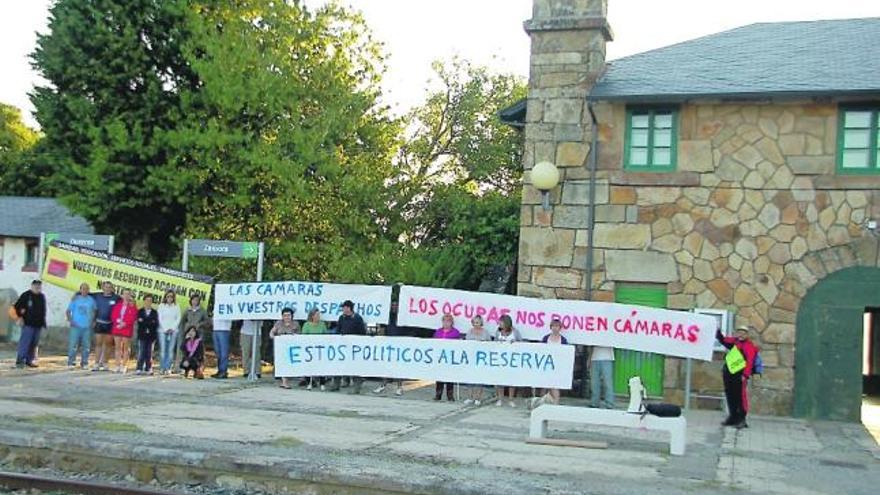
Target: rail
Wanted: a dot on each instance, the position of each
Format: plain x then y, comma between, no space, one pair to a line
22,480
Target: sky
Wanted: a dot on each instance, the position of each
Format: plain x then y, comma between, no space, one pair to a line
487,32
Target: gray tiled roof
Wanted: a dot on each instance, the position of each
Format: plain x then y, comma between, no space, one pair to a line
28,217
834,57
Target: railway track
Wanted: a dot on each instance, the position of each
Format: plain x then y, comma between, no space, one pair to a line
17,481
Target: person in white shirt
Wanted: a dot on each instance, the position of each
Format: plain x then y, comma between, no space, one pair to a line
602,377
169,320
250,329
220,334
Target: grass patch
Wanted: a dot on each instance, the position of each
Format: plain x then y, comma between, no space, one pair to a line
286,442
115,427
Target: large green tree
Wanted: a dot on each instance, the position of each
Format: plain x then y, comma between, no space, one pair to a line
116,79
460,172
250,119
285,141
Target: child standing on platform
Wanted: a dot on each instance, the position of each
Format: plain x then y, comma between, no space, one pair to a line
147,333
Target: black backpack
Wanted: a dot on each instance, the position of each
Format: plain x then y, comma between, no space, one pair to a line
663,410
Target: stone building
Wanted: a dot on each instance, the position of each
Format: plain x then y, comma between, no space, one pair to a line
739,171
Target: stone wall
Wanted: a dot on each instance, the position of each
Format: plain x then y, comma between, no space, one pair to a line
753,217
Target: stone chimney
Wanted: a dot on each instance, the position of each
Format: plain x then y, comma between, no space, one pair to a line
567,57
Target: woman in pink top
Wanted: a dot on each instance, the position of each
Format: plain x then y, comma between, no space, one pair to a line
447,331
123,318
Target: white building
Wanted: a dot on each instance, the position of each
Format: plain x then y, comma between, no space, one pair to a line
21,222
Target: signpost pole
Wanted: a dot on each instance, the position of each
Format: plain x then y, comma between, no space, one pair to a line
687,384
257,338
185,264
110,244
40,256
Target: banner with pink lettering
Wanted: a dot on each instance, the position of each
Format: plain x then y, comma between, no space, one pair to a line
624,326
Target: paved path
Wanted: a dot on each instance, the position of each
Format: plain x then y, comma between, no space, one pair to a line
415,444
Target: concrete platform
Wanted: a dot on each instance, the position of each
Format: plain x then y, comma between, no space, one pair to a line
238,434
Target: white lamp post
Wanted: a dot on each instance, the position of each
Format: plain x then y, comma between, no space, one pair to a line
545,176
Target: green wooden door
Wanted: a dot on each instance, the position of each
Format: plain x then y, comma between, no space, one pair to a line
648,366
828,351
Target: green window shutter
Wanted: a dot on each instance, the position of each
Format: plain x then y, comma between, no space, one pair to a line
858,140
647,365
651,139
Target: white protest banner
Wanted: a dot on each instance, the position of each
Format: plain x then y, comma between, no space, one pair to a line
459,361
265,300
625,326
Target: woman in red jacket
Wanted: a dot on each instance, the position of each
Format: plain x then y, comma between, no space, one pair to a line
736,383
123,318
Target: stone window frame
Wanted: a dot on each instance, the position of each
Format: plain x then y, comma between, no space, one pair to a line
873,139
652,111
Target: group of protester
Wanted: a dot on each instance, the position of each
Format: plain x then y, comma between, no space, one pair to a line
115,320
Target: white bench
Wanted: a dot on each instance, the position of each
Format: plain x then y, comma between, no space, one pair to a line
677,427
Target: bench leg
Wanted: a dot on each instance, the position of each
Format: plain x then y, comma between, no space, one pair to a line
538,428
677,440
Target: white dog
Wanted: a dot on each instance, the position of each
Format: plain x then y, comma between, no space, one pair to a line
637,395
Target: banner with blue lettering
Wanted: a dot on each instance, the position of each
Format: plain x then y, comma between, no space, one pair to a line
265,300
459,361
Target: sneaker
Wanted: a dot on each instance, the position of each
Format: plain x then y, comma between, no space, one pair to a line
437,397
477,403
323,388
96,368
19,365
511,403
468,402
103,367
71,367
309,386
84,367
150,373
399,392
499,403
138,372
379,389
32,365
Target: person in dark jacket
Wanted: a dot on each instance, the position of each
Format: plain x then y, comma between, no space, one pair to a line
736,384
31,307
147,333
105,301
193,350
350,323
